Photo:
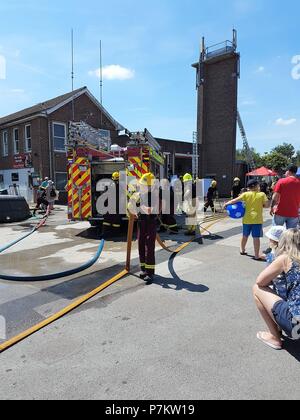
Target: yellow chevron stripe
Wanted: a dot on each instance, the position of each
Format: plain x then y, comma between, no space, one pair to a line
86,207
76,207
84,176
77,172
80,161
85,197
145,167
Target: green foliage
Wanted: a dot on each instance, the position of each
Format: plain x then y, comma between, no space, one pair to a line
278,159
286,149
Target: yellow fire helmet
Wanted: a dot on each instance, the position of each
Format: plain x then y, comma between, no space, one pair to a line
115,176
147,179
214,184
187,178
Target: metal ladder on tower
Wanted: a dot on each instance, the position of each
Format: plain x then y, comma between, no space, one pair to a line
195,156
247,149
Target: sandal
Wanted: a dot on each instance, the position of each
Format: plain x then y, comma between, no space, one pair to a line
266,342
244,253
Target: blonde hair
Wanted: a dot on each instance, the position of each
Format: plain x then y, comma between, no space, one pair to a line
290,245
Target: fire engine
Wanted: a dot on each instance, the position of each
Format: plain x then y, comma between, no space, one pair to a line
91,157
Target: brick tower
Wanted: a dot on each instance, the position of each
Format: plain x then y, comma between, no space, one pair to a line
218,71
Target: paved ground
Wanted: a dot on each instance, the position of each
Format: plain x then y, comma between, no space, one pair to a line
191,335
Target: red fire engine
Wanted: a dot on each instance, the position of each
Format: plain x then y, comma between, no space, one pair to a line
92,158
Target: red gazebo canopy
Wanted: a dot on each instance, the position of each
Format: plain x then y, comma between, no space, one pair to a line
262,172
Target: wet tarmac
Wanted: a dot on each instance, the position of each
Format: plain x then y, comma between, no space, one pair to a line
58,246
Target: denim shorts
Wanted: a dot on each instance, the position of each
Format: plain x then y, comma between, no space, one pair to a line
290,222
283,317
256,230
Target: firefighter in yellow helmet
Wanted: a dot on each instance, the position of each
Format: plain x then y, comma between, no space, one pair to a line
189,201
211,195
112,222
145,205
236,188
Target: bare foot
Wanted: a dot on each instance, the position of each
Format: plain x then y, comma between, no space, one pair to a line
270,340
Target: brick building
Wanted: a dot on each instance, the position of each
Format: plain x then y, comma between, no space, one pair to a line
217,82
32,141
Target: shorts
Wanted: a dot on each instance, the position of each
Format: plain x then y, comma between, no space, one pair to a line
256,230
283,317
290,222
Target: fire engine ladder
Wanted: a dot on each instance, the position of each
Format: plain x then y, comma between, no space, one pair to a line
247,149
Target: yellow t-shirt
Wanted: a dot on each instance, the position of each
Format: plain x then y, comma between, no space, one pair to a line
254,207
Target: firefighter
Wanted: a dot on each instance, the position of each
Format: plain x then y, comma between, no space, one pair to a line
167,220
211,195
236,188
142,206
189,201
112,222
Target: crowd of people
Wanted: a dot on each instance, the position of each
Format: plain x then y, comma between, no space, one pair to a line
277,289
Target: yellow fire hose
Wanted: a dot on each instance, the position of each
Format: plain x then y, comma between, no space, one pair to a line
25,334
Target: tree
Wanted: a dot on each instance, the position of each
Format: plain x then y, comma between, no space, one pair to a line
241,155
276,161
286,149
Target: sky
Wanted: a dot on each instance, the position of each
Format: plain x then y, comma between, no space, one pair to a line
148,49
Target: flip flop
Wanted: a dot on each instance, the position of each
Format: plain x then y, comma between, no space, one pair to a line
244,254
267,343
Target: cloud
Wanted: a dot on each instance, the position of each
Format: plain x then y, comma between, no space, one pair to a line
114,72
260,69
17,91
283,122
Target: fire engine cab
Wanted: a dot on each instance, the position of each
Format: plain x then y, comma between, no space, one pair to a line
92,158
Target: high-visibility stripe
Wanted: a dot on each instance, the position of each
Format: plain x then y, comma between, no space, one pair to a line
87,214
81,161
116,226
86,207
150,267
86,197
85,179
141,166
145,167
79,196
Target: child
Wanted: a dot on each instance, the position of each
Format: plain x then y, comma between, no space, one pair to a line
253,221
274,235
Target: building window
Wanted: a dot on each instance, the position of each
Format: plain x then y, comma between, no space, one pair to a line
15,177
16,141
61,180
59,137
5,144
28,138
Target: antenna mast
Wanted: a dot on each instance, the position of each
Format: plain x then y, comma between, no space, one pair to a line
72,73
101,81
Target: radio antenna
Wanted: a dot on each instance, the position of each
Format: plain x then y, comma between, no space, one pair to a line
72,73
